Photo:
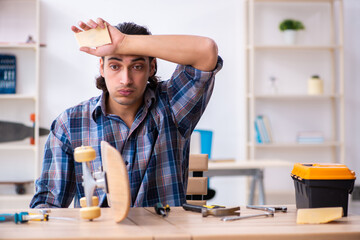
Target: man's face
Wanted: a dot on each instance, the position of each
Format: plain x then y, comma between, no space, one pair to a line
126,77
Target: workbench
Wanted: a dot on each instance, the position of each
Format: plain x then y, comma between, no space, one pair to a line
144,223
252,168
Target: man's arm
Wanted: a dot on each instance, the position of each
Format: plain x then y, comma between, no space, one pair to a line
56,184
199,52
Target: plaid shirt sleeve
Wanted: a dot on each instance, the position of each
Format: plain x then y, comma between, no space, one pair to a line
56,185
189,91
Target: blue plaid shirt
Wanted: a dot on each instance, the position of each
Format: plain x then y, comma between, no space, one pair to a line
155,148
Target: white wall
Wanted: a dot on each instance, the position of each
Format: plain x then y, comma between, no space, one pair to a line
67,75
352,87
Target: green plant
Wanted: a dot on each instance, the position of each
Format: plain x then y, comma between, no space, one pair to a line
290,24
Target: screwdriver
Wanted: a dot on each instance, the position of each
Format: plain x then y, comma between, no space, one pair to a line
21,217
161,210
24,217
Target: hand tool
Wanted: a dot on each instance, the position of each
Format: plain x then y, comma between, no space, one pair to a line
47,217
167,209
15,217
197,208
219,212
267,214
213,206
268,209
22,217
215,211
161,210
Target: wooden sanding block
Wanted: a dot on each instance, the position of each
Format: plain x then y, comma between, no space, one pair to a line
94,37
318,215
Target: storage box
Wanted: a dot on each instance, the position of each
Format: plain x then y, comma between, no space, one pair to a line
322,185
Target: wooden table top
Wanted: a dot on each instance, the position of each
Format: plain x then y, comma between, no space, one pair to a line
143,223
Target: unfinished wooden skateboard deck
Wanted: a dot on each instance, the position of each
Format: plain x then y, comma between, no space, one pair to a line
119,197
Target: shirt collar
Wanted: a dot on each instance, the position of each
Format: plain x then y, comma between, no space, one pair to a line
149,96
100,107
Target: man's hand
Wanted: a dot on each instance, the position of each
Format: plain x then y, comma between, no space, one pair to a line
199,52
116,36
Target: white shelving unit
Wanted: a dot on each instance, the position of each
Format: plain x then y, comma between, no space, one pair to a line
20,160
319,51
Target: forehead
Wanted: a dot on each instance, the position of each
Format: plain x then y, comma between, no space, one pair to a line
126,58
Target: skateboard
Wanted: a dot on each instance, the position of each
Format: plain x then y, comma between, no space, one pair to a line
113,178
12,131
19,185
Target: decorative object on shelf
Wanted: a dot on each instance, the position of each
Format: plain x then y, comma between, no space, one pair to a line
7,73
315,85
30,39
290,27
310,137
273,89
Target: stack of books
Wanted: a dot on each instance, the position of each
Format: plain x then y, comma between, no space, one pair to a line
7,73
310,137
263,130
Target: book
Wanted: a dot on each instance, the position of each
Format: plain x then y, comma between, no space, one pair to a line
7,73
257,133
268,128
310,137
263,130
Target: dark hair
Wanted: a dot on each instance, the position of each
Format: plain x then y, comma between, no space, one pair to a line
130,28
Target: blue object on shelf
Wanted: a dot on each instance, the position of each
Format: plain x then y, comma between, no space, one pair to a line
7,73
205,141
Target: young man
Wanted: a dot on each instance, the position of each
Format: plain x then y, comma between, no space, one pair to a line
148,122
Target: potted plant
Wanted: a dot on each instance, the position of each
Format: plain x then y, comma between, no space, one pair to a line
290,27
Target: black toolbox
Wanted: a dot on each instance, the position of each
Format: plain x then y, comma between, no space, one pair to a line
322,185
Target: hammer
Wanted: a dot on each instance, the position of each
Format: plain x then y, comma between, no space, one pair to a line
218,212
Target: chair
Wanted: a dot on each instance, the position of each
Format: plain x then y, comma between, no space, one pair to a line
197,183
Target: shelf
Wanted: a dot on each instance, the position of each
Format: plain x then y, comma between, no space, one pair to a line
15,201
294,97
17,147
21,19
294,47
17,96
19,45
295,145
293,1
19,197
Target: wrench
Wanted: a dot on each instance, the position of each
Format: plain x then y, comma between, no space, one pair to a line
268,209
267,214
